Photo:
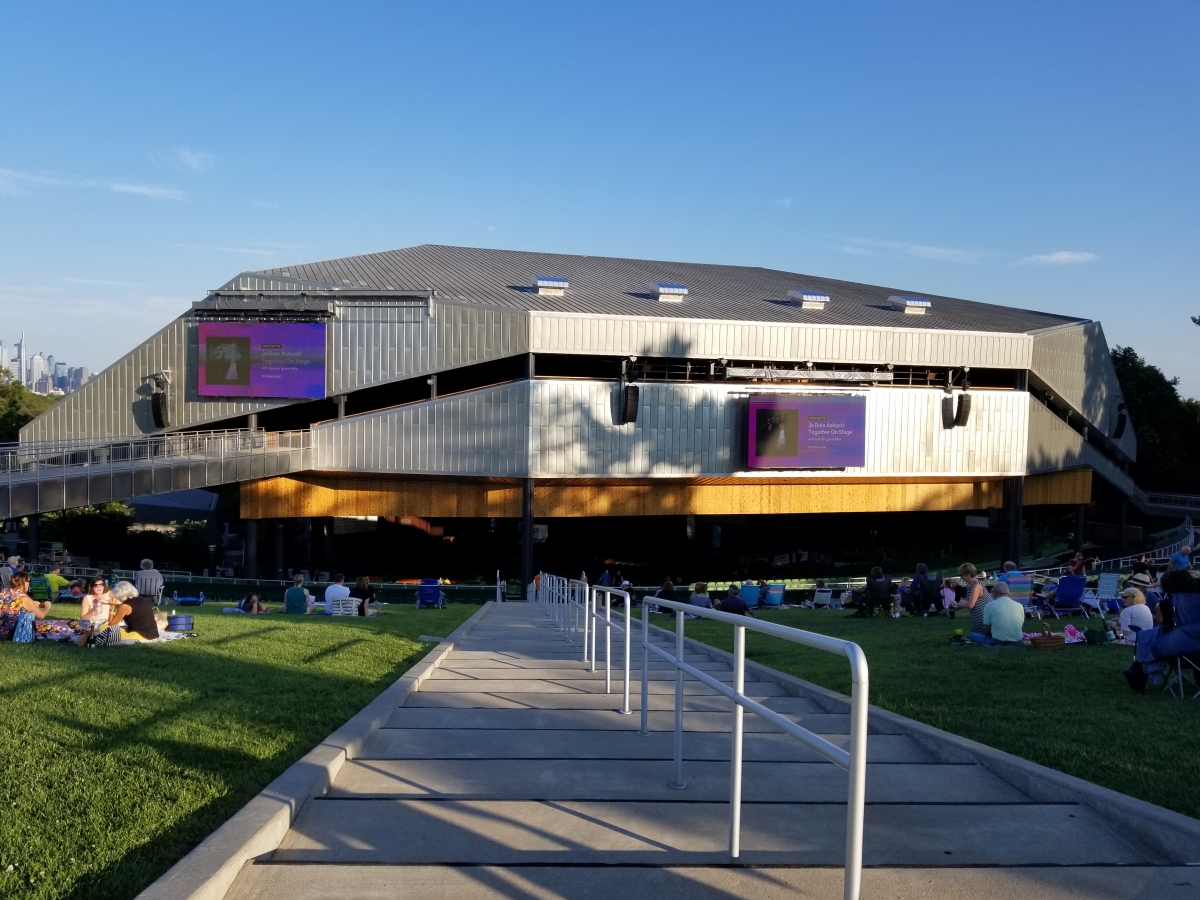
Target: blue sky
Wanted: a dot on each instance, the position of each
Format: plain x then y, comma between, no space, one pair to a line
1030,154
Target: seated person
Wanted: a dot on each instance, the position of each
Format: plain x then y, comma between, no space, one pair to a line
735,604
133,617
75,590
364,594
1135,616
1010,568
297,599
335,592
18,610
1141,566
925,593
253,604
877,594
55,581
700,596
1177,636
1003,620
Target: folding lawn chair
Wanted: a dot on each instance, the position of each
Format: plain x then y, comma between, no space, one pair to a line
1108,592
775,595
822,597
429,593
39,587
1068,597
1020,588
749,594
1183,671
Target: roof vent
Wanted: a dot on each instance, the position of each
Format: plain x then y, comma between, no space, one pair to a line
668,292
808,299
912,306
552,287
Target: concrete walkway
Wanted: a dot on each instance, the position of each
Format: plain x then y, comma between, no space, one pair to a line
510,774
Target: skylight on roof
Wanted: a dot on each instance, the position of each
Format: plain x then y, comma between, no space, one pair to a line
668,291
550,285
808,299
912,306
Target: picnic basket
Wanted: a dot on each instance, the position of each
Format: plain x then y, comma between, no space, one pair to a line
1048,641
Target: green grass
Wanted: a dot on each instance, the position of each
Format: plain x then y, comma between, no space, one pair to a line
1070,710
117,761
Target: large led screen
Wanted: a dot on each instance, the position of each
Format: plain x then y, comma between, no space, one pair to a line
262,359
805,431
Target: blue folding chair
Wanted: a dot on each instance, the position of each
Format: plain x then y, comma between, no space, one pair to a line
1068,597
775,595
429,593
749,595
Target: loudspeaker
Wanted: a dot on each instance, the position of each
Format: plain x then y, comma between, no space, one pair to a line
160,410
947,412
629,404
964,409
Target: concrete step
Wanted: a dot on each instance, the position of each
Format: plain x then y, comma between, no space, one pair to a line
575,685
645,780
408,717
452,743
491,665
376,882
491,832
451,672
534,700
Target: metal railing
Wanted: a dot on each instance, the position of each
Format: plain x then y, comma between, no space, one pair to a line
854,760
1189,502
1119,563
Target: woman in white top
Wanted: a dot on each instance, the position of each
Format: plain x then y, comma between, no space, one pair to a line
97,604
1135,614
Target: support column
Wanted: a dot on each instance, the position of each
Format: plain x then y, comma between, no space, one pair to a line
1123,538
308,563
31,538
280,562
1080,524
250,557
526,535
330,551
1016,511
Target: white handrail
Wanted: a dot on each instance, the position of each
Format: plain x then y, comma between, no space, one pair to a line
854,761
1124,562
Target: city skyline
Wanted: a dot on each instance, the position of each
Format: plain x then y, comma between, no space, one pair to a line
40,372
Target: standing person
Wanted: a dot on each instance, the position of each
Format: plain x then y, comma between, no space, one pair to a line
364,594
977,596
605,579
335,592
149,581
700,596
296,599
1182,559
1141,566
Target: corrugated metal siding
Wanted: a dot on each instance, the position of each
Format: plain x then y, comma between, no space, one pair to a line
482,432
1054,445
1075,362
682,430
768,341
372,343
115,403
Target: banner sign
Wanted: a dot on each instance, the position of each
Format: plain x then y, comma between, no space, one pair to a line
807,431
262,359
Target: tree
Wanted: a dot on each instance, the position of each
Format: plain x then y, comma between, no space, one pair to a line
1167,426
18,406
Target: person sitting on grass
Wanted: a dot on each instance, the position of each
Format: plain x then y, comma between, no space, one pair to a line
1135,615
364,594
297,599
1003,620
18,610
700,595
735,604
977,596
55,581
335,592
106,632
134,617
96,605
253,604
1010,569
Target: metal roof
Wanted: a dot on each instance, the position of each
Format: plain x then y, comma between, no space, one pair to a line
603,285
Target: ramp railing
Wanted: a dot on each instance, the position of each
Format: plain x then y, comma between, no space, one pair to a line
853,760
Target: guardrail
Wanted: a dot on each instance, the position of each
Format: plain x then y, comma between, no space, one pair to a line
1119,563
854,760
1173,501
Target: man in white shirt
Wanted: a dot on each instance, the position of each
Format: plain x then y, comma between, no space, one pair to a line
336,591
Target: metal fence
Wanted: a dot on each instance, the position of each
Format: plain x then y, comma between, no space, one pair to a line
1119,563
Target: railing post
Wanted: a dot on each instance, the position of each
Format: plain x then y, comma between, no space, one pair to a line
625,710
607,643
587,623
678,784
856,792
735,754
595,626
645,729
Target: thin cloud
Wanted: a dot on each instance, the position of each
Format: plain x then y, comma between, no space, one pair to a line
150,191
15,184
785,202
196,160
1059,258
253,251
490,228
865,247
100,281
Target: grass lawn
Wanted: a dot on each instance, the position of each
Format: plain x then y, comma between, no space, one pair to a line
1070,710
117,761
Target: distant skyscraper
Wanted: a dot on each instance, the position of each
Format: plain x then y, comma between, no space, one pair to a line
20,362
37,368
76,377
60,375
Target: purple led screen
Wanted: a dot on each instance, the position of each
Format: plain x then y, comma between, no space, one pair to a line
807,432
262,359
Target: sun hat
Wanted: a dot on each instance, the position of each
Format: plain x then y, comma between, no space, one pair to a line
1139,579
